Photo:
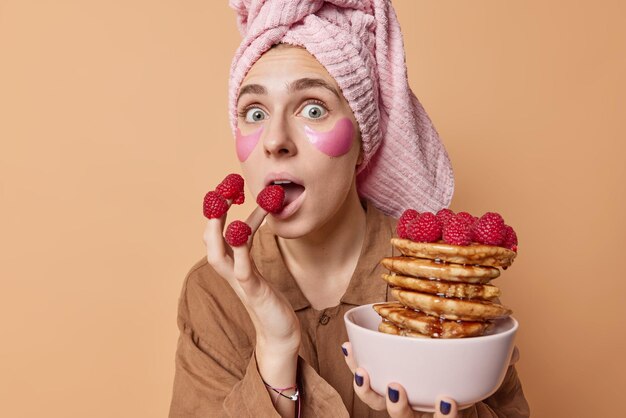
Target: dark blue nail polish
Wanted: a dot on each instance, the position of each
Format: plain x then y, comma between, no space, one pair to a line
444,407
393,395
345,352
358,379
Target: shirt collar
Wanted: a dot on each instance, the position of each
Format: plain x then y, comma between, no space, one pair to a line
366,285
269,262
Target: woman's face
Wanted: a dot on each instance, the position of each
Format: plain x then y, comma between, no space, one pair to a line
294,125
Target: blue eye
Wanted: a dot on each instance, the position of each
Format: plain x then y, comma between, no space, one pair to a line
313,111
255,114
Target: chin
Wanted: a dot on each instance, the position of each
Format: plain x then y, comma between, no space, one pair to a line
288,228
296,226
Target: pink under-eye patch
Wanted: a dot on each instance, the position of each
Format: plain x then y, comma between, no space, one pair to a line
335,142
246,143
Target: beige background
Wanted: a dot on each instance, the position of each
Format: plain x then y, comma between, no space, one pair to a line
113,124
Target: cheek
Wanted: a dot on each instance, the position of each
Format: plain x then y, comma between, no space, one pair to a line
246,143
334,143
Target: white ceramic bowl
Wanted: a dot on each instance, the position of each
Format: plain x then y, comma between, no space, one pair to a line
466,369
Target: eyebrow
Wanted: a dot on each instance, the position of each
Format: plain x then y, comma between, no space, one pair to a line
251,89
309,83
297,85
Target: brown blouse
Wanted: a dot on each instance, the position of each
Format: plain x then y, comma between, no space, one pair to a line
216,372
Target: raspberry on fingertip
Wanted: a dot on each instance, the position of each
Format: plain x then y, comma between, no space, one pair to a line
239,199
231,187
214,205
271,198
237,233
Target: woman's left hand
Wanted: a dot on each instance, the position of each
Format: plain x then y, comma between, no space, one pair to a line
396,402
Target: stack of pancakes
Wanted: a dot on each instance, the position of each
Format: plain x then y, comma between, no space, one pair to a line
443,290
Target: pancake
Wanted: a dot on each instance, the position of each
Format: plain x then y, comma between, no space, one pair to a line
451,308
441,288
409,319
389,328
474,254
420,267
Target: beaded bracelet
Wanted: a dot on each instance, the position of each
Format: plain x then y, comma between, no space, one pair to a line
280,391
295,397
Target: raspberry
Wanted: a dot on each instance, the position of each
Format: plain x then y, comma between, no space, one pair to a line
471,220
489,229
405,219
231,187
444,216
457,231
510,238
239,199
237,233
426,228
271,198
467,217
215,206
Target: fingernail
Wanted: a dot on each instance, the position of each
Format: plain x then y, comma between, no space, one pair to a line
444,407
345,352
393,395
358,379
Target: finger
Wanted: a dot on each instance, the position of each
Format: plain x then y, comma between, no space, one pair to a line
349,357
445,407
243,266
242,270
364,391
218,253
397,402
255,220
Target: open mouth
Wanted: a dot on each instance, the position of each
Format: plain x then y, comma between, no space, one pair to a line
292,190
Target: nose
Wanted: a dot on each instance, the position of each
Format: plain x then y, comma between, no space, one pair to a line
278,140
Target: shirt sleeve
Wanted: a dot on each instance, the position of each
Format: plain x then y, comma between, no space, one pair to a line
213,377
216,372
207,383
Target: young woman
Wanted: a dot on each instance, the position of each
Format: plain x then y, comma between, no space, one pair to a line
319,103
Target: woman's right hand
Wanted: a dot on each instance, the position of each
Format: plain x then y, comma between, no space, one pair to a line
396,400
276,324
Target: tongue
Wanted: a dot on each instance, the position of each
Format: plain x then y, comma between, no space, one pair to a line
292,191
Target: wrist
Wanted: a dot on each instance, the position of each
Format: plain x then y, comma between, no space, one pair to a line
278,348
277,369
277,356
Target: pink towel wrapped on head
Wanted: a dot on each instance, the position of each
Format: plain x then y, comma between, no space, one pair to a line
360,44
